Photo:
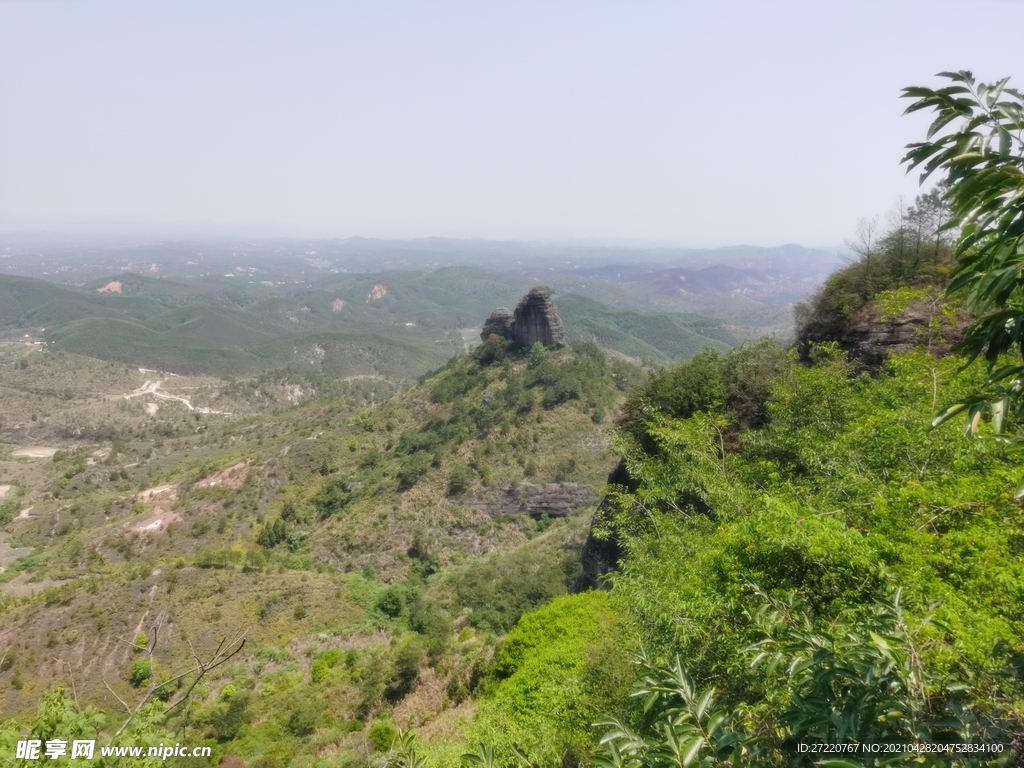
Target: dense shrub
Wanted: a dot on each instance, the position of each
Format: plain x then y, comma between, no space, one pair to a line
225,720
408,660
140,672
460,479
412,468
540,696
736,385
432,621
324,662
382,734
303,720
333,498
272,535
392,601
455,385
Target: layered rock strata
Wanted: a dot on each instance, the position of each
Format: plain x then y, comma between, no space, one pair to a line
535,319
552,499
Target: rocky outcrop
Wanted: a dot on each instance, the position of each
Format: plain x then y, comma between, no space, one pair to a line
868,339
600,555
553,500
501,323
535,319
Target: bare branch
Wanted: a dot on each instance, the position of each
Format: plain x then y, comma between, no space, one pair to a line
224,652
123,703
221,657
132,643
152,669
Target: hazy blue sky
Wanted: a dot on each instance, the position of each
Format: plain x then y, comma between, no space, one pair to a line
691,123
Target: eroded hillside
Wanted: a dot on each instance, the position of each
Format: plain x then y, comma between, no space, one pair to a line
193,510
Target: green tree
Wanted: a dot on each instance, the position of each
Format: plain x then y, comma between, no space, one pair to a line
695,386
140,672
60,717
272,535
976,141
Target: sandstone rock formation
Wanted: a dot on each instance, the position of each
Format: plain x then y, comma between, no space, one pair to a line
379,291
535,319
868,339
500,323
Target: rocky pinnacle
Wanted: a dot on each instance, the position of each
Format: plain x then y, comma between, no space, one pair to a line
535,319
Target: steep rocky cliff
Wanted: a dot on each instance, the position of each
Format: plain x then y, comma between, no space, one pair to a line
600,555
869,336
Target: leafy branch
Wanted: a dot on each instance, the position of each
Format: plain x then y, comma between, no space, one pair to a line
977,141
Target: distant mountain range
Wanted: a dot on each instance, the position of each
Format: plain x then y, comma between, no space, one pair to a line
78,260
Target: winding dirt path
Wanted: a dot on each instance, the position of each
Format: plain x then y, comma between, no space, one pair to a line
152,387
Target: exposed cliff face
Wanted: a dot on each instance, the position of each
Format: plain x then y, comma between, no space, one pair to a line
598,557
535,319
869,339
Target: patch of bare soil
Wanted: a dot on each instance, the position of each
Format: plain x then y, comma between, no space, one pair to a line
114,286
158,492
151,387
35,452
20,586
232,477
379,291
9,554
154,523
4,490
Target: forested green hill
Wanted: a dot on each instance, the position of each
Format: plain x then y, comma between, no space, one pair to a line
25,301
393,324
653,337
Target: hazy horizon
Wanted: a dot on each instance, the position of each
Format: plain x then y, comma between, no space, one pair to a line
100,233
665,125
